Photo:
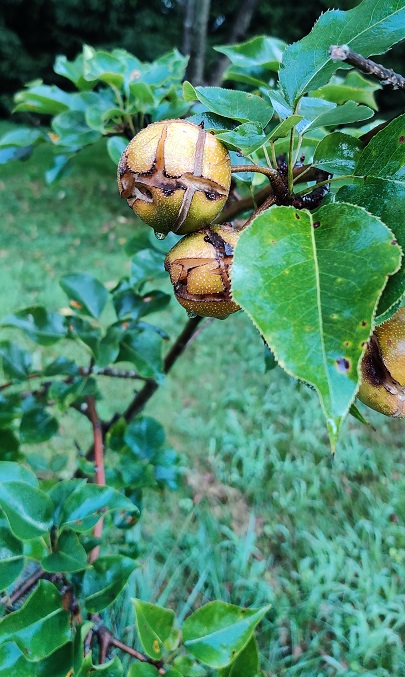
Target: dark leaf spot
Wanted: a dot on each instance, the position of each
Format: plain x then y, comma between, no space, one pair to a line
401,139
297,216
394,241
317,224
364,323
343,364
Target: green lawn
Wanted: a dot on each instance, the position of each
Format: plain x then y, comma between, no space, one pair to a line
264,514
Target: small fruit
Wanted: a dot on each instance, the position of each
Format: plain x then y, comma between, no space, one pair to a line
175,176
383,368
200,270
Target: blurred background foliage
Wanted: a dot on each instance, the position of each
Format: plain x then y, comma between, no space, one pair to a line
33,32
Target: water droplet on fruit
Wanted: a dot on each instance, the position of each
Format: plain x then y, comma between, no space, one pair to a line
160,236
191,315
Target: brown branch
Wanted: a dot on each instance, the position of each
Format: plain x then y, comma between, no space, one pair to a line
99,466
277,182
23,588
386,75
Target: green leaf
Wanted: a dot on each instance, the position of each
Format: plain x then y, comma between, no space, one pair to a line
21,138
154,626
294,273
72,70
144,436
18,472
41,626
40,325
356,413
82,329
27,508
9,445
142,670
384,155
128,304
69,555
61,366
246,662
261,51
144,349
370,28
45,99
115,147
217,632
213,122
14,664
87,502
147,264
17,362
231,103
382,192
112,668
37,424
337,153
354,87
188,666
86,294
60,168
71,130
105,67
11,558
104,581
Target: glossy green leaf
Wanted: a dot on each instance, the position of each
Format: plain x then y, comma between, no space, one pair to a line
128,304
109,346
246,663
154,624
382,192
37,424
21,137
188,667
261,51
10,409
14,663
217,632
147,264
41,625
104,581
384,155
11,558
72,70
144,436
16,362
353,87
9,445
17,472
39,324
59,169
86,294
144,350
340,115
356,413
142,670
104,66
82,329
231,103
69,555
71,130
213,122
87,502
294,272
115,147
61,366
27,508
46,99
112,668
337,153
370,28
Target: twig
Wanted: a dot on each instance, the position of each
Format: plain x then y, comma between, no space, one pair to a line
276,180
23,588
386,75
99,466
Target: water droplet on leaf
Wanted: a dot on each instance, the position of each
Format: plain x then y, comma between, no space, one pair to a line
160,236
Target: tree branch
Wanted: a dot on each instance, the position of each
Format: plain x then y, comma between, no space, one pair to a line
106,640
98,466
385,75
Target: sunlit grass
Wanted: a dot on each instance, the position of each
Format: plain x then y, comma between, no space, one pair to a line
264,514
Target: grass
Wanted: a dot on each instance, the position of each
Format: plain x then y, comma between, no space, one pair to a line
264,513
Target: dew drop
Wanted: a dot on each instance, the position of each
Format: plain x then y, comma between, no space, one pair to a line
191,315
160,236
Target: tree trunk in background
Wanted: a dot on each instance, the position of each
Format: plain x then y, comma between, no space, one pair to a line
188,7
197,36
236,32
